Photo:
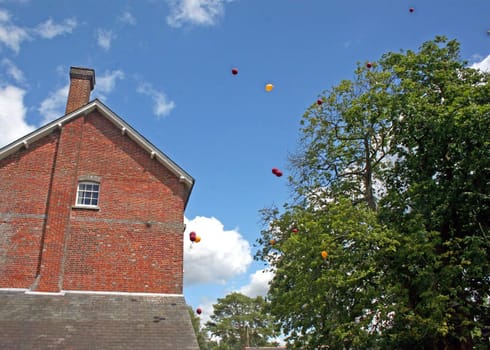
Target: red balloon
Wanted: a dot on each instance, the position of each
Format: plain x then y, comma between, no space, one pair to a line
199,311
411,9
234,71
277,172
369,64
319,101
192,236
295,230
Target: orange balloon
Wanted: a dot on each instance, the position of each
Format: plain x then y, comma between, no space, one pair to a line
269,87
324,254
198,239
272,241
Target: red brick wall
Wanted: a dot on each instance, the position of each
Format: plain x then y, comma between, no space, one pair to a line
24,182
133,243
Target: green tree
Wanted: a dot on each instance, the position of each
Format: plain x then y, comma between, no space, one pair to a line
392,180
344,140
343,300
440,178
239,321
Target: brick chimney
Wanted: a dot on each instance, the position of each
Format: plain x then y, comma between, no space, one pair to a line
82,82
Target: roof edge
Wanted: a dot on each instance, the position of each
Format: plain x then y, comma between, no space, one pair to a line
93,292
152,150
141,294
125,128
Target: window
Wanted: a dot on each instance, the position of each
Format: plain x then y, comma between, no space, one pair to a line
88,194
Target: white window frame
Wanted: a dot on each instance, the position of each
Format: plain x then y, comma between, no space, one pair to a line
85,191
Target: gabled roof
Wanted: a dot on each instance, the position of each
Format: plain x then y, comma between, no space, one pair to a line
94,321
125,128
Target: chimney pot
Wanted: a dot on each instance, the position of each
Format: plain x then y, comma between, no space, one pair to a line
82,82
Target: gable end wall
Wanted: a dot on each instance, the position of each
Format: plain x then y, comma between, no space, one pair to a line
132,243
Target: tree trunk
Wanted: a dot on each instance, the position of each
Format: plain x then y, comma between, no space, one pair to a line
368,176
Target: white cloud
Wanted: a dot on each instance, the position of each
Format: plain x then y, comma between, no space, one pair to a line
221,254
49,30
483,65
259,284
11,35
54,105
162,106
198,12
106,83
128,18
4,16
12,115
104,38
13,71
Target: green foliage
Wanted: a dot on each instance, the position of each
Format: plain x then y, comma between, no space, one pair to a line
440,178
240,321
332,301
392,179
344,140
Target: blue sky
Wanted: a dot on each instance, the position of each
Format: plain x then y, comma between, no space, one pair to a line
165,67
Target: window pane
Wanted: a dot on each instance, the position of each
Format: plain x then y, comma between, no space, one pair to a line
88,194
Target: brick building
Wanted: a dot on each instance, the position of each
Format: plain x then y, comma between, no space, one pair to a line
91,235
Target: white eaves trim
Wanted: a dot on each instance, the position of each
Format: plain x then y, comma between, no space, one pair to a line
125,128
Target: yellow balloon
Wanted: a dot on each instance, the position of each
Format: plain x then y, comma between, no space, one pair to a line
198,239
269,87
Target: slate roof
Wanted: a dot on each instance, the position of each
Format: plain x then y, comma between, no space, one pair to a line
94,321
